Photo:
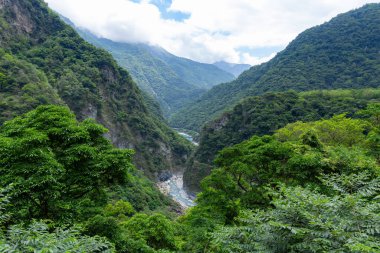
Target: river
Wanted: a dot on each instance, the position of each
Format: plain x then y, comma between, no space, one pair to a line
174,188
188,137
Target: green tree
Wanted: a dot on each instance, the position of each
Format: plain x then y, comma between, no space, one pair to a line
156,230
304,220
250,174
120,209
372,112
37,238
339,130
55,163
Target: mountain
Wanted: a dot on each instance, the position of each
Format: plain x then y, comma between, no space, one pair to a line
202,75
173,81
44,61
342,53
233,68
263,115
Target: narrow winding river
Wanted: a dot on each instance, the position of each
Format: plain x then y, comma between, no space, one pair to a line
188,137
174,185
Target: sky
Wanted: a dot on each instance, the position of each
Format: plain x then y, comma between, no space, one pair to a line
238,31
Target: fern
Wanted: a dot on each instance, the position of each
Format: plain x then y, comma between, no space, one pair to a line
362,184
307,221
36,238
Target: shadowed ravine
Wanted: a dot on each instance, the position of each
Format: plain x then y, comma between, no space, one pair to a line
173,186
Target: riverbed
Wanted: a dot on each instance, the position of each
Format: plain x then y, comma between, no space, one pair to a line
174,188
188,137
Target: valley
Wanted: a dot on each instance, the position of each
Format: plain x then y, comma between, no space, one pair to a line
174,188
187,137
121,146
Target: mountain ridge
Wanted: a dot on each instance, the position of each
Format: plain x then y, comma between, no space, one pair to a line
234,68
263,115
341,53
173,81
83,77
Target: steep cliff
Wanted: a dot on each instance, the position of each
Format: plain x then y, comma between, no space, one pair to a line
71,71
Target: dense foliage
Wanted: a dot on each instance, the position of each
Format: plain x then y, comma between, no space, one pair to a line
342,53
37,238
306,221
61,170
22,87
172,80
264,114
45,61
311,187
63,173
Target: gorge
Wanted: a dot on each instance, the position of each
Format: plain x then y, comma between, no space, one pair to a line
110,146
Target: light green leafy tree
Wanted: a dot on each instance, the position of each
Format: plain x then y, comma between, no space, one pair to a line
304,220
57,166
37,238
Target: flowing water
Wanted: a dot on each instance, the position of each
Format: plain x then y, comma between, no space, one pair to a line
173,187
188,137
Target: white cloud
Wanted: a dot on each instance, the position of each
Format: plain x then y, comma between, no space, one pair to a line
216,29
248,58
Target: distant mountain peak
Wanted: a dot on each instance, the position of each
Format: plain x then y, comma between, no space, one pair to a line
170,80
341,53
234,68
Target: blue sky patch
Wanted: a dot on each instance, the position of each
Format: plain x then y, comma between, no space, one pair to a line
260,51
163,6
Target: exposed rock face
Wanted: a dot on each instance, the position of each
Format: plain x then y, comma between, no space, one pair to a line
220,123
164,176
3,3
90,82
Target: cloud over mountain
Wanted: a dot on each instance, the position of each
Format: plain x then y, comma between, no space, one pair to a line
204,30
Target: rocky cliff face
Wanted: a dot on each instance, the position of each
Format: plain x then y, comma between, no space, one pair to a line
90,82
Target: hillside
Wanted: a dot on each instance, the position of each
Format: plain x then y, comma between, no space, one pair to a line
233,68
263,115
280,172
171,80
295,191
44,61
342,53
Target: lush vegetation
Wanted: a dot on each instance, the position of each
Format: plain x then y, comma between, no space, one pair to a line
44,61
342,53
61,173
311,187
172,80
306,177
265,114
37,238
22,87
59,169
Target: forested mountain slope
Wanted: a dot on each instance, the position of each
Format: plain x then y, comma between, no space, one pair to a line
173,81
342,53
262,115
310,187
45,61
64,187
235,69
